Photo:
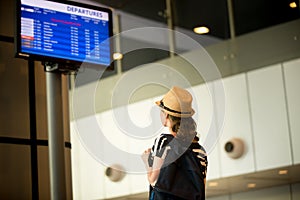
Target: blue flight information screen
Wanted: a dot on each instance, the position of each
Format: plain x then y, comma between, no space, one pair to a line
65,31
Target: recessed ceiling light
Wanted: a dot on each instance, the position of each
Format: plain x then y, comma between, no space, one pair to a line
201,30
293,5
213,184
282,172
117,56
251,185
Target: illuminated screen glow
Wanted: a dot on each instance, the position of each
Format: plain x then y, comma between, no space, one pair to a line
64,31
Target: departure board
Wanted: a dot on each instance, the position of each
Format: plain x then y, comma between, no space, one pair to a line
73,32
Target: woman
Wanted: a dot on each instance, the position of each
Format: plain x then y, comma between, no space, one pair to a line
176,164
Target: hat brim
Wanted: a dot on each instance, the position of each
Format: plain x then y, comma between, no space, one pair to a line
175,114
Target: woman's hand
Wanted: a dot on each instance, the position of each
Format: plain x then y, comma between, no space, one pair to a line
152,172
145,155
147,151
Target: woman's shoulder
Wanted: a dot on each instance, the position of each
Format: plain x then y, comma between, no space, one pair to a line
197,148
162,140
165,137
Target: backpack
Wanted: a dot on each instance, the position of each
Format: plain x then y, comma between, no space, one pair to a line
180,178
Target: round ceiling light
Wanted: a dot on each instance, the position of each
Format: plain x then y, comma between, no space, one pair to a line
293,5
117,56
201,30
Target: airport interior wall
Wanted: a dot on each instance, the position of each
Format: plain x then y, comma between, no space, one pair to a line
262,107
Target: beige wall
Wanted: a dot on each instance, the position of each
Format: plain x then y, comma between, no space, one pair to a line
250,51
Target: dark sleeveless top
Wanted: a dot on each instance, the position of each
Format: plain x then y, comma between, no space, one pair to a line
183,172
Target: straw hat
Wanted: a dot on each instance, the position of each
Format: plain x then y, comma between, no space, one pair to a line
177,102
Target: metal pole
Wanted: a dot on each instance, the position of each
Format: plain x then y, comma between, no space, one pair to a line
55,136
231,19
117,41
170,27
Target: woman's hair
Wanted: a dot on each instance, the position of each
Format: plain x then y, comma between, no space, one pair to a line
184,127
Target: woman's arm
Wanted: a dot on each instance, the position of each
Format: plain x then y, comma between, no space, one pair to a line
152,172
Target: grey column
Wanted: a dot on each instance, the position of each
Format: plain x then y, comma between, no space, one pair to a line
56,136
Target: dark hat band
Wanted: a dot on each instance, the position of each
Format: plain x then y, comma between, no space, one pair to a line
171,110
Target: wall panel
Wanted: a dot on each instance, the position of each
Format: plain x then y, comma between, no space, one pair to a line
295,191
15,172
116,140
142,127
292,83
269,117
87,173
206,126
236,125
14,100
7,18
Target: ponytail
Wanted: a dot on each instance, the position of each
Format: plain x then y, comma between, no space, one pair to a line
185,128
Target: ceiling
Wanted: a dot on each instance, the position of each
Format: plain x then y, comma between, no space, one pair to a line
248,15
